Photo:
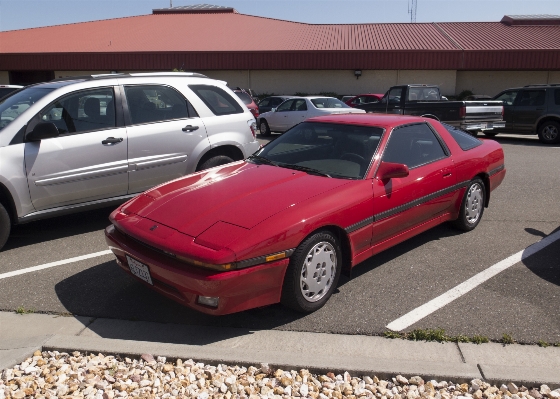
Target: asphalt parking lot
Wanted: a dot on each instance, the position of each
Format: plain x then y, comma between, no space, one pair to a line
521,301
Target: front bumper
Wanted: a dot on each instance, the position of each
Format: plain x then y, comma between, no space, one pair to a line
238,290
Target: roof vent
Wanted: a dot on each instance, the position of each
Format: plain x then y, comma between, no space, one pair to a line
540,19
196,9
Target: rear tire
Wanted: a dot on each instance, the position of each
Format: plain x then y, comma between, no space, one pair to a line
215,161
472,206
5,225
549,132
264,129
313,273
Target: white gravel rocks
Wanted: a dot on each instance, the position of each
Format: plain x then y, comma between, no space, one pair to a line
55,375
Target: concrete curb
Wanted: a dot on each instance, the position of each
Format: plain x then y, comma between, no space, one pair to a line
525,365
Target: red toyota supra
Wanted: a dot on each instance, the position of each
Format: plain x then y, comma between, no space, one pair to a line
282,225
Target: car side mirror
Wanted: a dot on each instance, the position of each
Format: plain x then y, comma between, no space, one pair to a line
390,170
43,130
273,109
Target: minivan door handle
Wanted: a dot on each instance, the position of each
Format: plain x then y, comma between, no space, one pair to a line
112,140
189,128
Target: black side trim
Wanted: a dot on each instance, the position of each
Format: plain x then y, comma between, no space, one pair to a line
404,207
498,169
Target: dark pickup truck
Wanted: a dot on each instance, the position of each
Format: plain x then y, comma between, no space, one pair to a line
426,100
533,109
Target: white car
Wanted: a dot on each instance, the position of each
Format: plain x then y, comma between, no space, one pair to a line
296,110
94,141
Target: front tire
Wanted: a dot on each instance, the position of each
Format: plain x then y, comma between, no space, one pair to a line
472,206
5,226
215,161
313,273
264,129
549,132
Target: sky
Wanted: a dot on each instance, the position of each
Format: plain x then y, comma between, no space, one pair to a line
21,14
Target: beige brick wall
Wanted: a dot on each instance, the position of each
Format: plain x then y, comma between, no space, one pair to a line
4,78
338,81
492,82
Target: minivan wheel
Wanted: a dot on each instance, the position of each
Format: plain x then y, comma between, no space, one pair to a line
472,206
5,226
215,161
312,273
549,132
264,129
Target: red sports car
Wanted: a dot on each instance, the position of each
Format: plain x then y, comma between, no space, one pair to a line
282,225
363,99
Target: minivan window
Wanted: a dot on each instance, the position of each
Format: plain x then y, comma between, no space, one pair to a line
508,97
531,98
82,111
244,97
217,99
11,107
154,103
557,96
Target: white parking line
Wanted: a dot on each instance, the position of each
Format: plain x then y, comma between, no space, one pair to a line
428,308
53,264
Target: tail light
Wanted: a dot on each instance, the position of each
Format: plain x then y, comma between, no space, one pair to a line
253,127
463,111
502,112
255,112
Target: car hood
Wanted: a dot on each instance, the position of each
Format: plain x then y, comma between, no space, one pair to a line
240,194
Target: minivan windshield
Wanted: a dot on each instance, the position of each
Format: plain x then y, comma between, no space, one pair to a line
323,149
13,106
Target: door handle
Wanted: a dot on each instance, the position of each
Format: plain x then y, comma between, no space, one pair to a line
445,172
189,128
112,140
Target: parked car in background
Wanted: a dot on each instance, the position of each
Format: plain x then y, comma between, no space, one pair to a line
284,224
533,109
7,89
84,142
426,100
296,110
266,104
248,101
346,98
363,99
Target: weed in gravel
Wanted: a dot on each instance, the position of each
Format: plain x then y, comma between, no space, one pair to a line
507,339
542,344
23,310
479,339
557,344
428,334
392,334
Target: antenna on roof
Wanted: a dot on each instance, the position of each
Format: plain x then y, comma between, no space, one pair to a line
412,10
170,3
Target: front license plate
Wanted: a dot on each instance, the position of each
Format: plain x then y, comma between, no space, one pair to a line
139,269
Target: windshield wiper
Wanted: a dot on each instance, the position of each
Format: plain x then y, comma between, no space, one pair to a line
262,160
304,169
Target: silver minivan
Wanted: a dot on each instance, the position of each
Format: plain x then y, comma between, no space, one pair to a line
84,142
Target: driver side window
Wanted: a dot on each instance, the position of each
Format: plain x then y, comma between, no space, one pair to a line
508,97
83,111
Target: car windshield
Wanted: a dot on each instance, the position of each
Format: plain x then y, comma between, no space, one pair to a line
6,90
328,102
13,106
327,149
244,97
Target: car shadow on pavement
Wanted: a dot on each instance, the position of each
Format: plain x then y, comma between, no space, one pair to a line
545,263
527,141
105,291
58,227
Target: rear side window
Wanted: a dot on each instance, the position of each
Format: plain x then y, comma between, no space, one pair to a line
465,140
244,97
557,96
148,104
217,99
413,145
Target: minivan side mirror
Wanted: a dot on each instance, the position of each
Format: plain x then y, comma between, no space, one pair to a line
390,170
43,130
273,110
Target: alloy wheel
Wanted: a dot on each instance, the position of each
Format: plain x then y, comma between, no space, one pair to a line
318,271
